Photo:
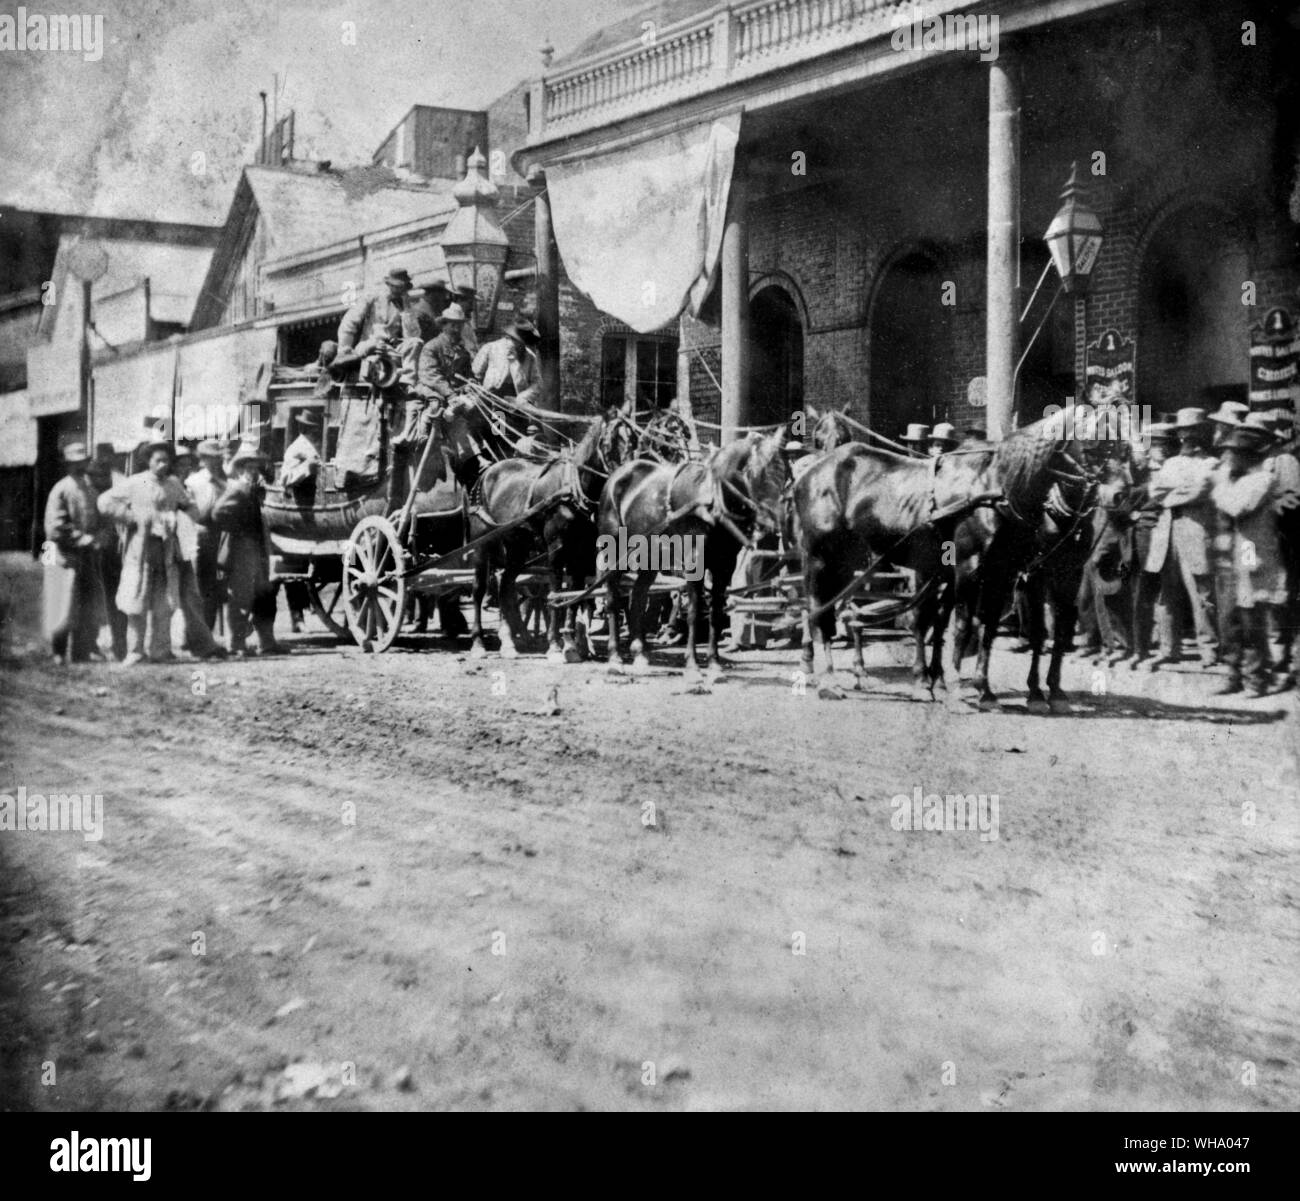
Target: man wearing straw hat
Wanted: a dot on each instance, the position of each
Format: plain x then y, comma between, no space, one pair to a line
943,438
250,605
1180,544
302,456
508,367
207,485
1246,494
916,438
444,361
75,609
146,505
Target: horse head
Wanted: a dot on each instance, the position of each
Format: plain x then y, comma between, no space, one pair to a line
751,475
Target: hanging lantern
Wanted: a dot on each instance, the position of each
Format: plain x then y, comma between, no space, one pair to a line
474,245
1074,237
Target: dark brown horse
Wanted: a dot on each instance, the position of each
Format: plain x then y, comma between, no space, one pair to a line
1040,533
564,492
858,508
718,506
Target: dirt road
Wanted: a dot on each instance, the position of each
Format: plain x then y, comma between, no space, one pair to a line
349,881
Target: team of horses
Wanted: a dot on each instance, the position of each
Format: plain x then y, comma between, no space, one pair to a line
969,525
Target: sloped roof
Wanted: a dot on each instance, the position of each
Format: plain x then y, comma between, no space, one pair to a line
174,273
304,209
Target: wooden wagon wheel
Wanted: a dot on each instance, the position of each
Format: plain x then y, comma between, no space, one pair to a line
326,596
374,590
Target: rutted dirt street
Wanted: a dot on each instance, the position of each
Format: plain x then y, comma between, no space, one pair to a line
415,885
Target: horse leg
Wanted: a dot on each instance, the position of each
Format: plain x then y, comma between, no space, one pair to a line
512,631
555,652
1037,702
636,613
615,663
481,570
859,664
942,613
693,598
1066,614
989,610
720,574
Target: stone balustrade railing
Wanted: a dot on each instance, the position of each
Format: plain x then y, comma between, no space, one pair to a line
708,52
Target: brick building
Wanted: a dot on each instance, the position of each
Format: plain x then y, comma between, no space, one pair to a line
890,192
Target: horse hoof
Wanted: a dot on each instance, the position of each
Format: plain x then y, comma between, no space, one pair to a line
509,652
829,692
1038,706
614,668
478,651
989,704
556,656
1059,705
641,665
859,681
923,692
571,654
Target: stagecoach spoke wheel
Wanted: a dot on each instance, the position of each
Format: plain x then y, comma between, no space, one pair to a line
326,595
374,590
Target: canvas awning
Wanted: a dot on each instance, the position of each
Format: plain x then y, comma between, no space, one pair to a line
129,390
213,380
17,431
640,229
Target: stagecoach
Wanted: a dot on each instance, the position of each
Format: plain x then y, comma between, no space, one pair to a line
361,540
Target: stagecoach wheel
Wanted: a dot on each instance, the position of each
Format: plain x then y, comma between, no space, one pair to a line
374,590
326,596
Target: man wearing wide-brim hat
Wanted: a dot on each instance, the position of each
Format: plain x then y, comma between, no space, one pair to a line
207,485
943,438
1146,516
508,367
145,506
244,558
1246,494
74,603
385,321
444,362
1225,419
1180,544
302,458
916,437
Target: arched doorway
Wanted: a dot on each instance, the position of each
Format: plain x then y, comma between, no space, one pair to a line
776,356
910,346
1193,335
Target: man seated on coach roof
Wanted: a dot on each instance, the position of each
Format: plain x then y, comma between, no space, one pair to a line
444,362
508,366
388,321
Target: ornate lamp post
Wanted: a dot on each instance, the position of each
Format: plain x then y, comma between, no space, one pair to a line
1074,237
474,244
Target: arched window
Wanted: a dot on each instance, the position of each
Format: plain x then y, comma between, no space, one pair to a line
776,356
1193,335
911,345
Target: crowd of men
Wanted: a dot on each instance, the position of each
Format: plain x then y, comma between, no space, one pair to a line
130,552
1199,528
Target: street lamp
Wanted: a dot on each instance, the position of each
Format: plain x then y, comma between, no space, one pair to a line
474,244
1074,237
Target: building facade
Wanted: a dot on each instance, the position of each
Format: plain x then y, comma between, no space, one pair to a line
896,168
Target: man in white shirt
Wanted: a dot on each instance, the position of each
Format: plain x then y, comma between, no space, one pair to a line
508,367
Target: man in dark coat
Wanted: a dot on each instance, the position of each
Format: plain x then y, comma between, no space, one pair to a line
444,361
243,558
74,586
